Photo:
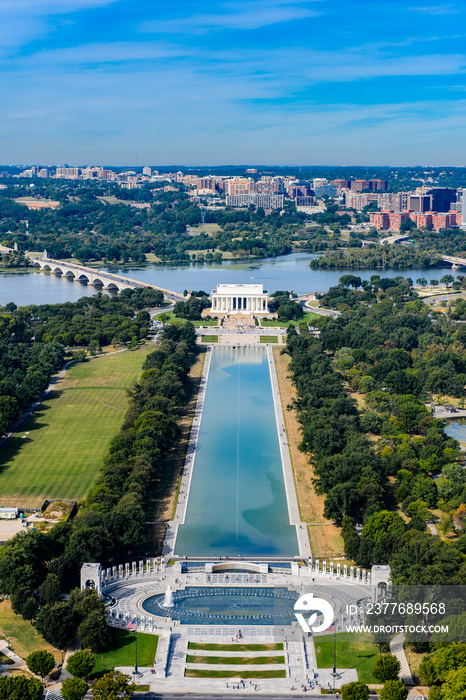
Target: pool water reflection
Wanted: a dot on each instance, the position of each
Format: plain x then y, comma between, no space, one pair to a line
230,606
237,502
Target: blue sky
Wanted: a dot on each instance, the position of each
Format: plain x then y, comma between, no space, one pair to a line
251,81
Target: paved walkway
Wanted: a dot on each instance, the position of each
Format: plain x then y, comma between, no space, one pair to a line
19,663
396,648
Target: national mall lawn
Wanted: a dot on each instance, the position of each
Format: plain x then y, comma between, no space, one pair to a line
58,451
122,651
353,651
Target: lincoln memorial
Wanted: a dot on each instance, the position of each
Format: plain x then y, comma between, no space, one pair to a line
240,299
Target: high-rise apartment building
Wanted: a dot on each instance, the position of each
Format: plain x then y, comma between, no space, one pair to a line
340,184
442,198
238,186
359,185
463,209
380,219
420,203
377,185
147,171
68,173
264,201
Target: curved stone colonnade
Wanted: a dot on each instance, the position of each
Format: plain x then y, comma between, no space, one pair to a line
129,585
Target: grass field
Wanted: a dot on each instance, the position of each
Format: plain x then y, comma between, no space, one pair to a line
121,652
235,660
23,637
210,338
197,673
268,339
59,449
308,317
278,646
174,319
353,651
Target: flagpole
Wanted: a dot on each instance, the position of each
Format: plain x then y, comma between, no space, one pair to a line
136,671
136,649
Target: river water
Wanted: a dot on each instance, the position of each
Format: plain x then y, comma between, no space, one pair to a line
290,272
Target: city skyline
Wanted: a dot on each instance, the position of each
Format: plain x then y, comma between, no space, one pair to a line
277,82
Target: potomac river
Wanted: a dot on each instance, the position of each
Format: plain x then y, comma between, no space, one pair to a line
290,272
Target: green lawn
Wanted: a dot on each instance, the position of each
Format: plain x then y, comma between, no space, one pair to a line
5,660
308,317
278,646
353,651
122,652
238,660
59,450
268,339
210,338
24,638
196,673
174,319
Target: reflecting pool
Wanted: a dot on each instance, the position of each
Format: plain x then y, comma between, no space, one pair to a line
230,606
237,503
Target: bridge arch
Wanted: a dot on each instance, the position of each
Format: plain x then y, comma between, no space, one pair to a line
47,267
69,273
113,286
57,271
83,278
97,282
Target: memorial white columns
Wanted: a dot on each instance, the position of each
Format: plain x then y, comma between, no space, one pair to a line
239,298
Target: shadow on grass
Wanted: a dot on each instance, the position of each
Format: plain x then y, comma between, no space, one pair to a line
115,655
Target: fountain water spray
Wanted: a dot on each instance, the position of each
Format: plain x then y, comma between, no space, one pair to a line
168,598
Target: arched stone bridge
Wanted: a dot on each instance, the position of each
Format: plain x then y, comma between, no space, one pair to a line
98,278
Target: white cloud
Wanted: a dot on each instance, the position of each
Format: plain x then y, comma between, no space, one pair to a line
47,7
436,9
113,52
250,16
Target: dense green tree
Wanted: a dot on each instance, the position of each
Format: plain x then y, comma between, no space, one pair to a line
81,663
393,690
113,686
449,657
73,689
93,631
40,662
50,591
20,688
426,671
356,690
56,623
454,687
386,668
